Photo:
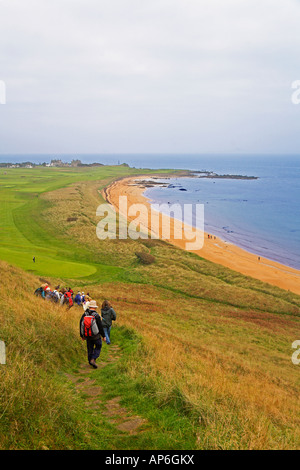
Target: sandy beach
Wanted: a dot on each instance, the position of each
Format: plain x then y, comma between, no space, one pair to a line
214,248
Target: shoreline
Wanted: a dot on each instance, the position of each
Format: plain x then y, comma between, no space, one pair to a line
214,249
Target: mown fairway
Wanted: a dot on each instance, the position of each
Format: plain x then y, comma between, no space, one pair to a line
206,352
22,232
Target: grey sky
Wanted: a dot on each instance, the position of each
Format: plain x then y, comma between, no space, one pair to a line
149,76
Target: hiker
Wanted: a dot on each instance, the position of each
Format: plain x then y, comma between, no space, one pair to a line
78,300
56,292
71,292
68,300
51,295
62,296
45,285
108,316
33,259
39,292
91,330
48,293
86,302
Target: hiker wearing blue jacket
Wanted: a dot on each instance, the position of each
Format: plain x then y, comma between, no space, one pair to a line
108,316
78,299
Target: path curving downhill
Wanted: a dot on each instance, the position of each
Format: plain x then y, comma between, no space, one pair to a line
117,415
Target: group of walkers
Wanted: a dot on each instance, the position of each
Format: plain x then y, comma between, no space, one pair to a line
58,295
92,327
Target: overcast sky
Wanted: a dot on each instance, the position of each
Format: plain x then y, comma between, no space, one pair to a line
196,76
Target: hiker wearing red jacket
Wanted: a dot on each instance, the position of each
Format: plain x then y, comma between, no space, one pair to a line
68,299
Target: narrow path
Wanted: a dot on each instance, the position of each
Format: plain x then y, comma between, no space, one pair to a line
117,415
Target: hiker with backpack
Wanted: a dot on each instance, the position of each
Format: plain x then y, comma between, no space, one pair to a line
108,316
78,299
62,292
68,299
48,293
91,330
56,292
39,292
51,295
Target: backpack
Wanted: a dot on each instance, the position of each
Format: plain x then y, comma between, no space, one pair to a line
53,297
38,291
89,327
68,299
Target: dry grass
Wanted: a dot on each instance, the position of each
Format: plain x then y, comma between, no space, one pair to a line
80,202
236,380
39,338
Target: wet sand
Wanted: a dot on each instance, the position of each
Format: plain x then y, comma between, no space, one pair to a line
214,248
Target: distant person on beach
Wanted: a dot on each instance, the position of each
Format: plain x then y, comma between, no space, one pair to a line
108,316
91,330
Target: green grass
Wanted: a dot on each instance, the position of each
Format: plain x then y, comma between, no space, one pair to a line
206,352
165,428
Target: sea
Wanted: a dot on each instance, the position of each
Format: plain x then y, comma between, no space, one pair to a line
260,215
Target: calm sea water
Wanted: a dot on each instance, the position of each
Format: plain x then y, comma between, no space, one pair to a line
260,215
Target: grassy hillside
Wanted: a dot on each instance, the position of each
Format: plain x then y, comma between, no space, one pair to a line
35,408
205,352
40,406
